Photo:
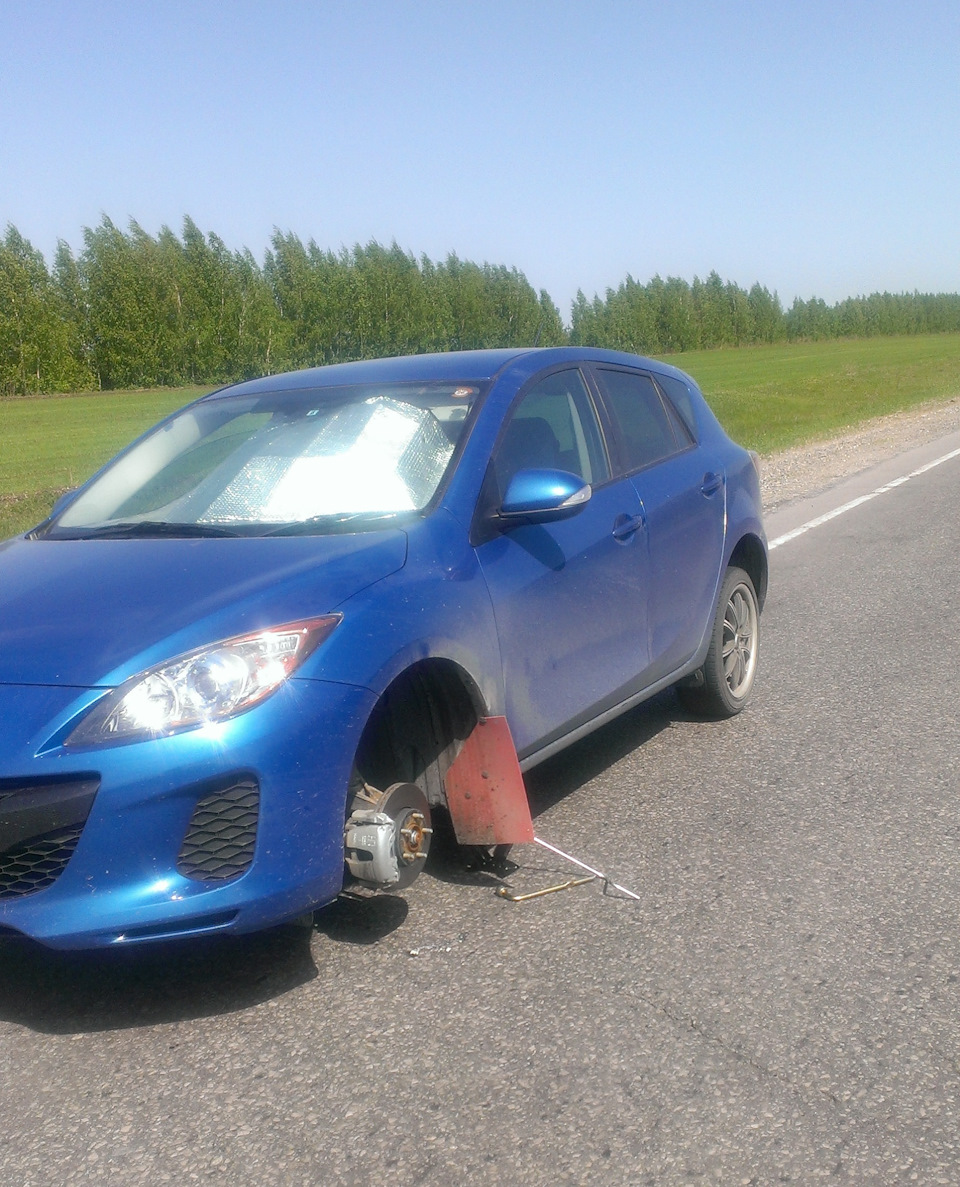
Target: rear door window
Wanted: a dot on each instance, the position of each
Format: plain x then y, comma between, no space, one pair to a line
648,432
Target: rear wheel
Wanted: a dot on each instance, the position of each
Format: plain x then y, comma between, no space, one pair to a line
722,687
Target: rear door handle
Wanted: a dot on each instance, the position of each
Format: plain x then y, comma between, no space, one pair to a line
625,525
711,483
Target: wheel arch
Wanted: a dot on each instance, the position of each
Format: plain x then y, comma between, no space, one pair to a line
418,726
751,556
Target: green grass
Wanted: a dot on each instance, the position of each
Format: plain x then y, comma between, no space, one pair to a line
771,397
767,397
49,444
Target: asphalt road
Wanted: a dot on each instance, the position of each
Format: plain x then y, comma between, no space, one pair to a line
781,1005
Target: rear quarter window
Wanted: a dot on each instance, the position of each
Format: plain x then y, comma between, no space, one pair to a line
679,395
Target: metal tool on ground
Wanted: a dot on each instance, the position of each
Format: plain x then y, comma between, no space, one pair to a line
607,881
512,897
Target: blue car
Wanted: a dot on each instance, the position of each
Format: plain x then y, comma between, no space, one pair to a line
255,654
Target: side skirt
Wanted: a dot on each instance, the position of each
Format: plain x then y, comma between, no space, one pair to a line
532,758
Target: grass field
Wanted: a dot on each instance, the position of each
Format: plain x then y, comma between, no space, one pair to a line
771,397
767,397
49,444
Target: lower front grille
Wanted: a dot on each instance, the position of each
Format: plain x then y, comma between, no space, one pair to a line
37,864
40,825
222,834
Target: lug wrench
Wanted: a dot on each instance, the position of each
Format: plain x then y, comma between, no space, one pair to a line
510,896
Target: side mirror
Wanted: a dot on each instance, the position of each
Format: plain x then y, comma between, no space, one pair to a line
540,496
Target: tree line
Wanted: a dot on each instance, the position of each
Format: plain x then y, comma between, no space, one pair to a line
665,316
136,310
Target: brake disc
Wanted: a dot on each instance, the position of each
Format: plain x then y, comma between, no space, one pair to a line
387,836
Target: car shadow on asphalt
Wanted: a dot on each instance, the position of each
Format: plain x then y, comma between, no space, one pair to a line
556,778
361,918
110,989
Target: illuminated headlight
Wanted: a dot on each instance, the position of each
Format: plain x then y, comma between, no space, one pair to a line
203,686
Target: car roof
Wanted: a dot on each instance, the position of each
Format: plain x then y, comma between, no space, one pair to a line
477,365
452,365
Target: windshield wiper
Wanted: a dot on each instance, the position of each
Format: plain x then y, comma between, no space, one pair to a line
147,528
332,523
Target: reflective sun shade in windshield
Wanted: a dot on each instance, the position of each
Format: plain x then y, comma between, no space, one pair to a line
288,458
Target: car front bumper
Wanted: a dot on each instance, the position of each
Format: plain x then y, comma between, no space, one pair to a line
230,827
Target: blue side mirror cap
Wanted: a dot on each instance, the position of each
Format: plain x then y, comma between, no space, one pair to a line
539,496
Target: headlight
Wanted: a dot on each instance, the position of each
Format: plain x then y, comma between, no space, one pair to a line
207,685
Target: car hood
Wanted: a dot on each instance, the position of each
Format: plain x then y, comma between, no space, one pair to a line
90,613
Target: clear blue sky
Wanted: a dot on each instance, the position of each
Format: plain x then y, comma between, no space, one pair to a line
813,145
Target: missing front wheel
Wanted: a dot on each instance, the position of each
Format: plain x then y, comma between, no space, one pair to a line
387,836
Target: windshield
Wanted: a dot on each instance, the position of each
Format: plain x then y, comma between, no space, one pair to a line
328,459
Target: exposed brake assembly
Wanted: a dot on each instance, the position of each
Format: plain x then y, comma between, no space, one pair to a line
387,836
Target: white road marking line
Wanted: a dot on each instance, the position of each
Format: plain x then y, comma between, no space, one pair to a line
881,490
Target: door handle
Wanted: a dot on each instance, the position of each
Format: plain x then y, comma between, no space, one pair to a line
711,483
625,525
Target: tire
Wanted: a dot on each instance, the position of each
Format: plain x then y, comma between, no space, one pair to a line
722,687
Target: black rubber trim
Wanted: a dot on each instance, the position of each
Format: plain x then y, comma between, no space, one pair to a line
34,811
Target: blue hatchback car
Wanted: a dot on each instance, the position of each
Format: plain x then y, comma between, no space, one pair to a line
240,664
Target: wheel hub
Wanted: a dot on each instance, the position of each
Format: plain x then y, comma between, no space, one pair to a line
413,838
740,630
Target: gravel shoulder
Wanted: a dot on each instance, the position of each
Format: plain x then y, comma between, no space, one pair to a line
808,469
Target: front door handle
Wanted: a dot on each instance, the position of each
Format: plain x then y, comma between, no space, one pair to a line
625,525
